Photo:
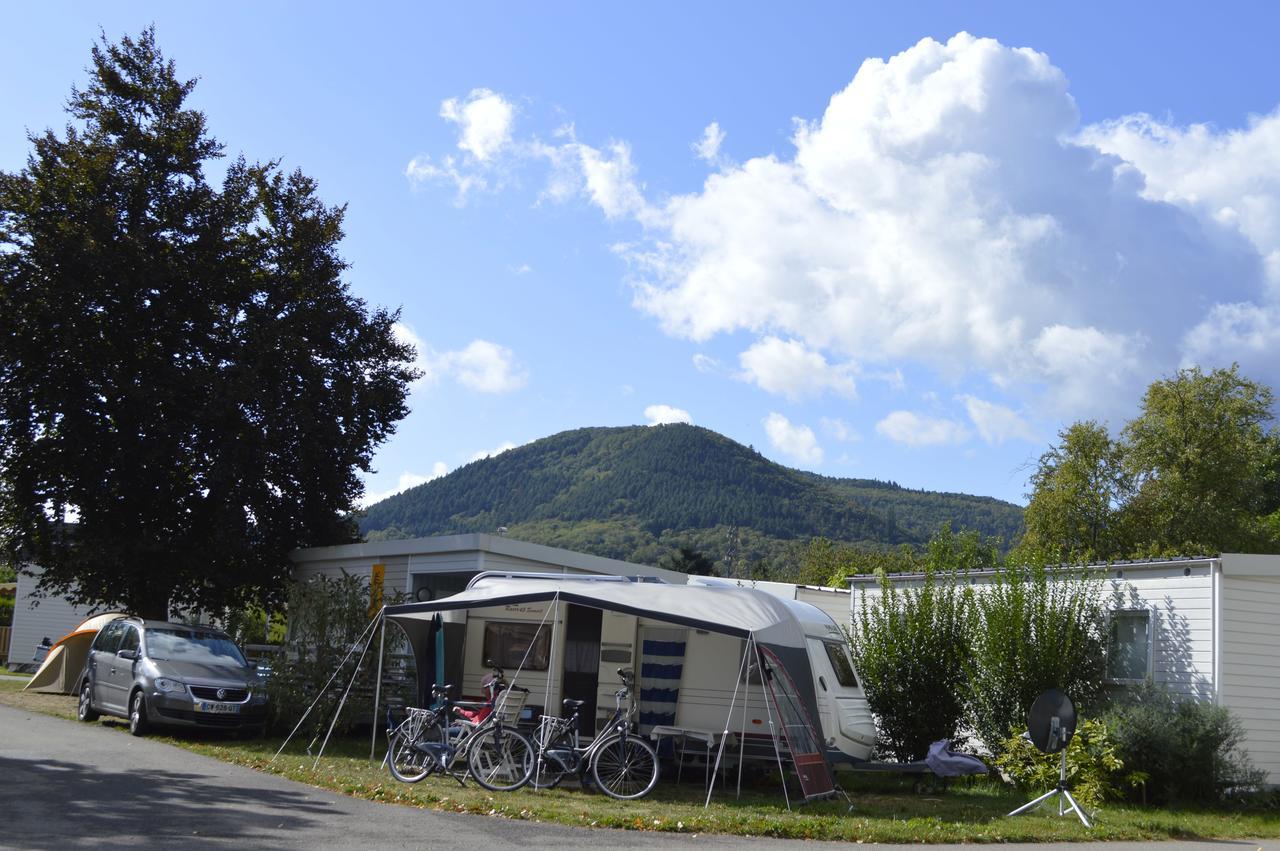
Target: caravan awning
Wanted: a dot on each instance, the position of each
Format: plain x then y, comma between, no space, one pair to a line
731,611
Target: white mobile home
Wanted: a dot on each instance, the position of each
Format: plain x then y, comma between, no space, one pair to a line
37,618
1207,628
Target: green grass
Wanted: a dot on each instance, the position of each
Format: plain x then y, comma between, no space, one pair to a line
7,673
883,808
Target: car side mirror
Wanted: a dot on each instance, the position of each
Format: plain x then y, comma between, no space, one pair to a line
127,654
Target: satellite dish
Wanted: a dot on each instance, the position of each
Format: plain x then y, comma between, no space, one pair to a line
1050,725
1052,721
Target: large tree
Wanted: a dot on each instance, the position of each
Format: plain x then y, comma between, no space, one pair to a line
188,389
1079,489
1204,455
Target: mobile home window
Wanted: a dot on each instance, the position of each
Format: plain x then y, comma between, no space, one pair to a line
506,644
1129,646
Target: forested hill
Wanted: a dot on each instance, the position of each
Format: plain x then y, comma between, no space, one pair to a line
635,492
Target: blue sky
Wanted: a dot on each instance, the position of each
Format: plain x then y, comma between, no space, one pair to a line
916,269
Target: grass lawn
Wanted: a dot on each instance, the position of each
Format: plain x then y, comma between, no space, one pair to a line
883,809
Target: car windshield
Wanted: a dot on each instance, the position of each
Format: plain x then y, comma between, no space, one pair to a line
189,645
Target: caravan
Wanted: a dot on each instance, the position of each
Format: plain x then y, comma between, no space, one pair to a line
687,645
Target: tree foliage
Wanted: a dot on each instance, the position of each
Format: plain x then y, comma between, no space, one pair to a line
1033,629
1197,471
183,371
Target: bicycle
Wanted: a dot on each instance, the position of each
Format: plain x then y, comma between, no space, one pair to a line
441,738
623,765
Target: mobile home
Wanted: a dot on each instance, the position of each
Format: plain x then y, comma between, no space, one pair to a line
1205,628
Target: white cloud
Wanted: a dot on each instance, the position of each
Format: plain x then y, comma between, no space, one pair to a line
839,429
997,423
664,414
916,430
788,368
491,453
484,119
481,366
705,363
797,442
407,480
708,147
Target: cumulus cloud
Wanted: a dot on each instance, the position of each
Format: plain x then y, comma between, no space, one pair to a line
407,480
484,120
708,147
789,368
482,366
948,210
997,423
797,442
915,429
664,414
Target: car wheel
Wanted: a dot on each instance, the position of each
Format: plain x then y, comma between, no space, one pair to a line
138,723
84,710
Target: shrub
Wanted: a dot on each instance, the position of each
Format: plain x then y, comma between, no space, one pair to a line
1189,750
1095,770
910,648
327,618
1032,632
6,609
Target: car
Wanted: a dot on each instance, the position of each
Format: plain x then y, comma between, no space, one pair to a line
156,673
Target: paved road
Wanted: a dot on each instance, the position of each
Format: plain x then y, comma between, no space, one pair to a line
67,785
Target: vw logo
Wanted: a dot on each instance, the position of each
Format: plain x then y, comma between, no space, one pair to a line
222,694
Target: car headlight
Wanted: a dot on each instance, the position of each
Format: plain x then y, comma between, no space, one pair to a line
170,686
259,697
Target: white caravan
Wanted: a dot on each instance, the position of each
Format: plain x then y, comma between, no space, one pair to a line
568,636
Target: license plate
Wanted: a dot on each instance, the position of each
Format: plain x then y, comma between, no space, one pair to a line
218,708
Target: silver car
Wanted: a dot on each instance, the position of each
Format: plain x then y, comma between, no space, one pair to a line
158,673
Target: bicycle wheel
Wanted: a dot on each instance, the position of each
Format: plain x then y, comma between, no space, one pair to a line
549,772
500,760
625,767
407,763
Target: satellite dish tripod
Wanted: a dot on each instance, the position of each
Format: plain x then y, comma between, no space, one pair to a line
1064,803
1050,725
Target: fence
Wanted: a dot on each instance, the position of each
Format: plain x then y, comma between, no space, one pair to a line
5,632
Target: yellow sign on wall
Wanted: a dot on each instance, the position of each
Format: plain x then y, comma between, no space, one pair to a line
376,574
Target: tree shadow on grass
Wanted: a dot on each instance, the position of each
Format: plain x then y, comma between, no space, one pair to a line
56,804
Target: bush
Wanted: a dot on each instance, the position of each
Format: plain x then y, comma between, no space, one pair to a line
1190,751
1032,632
910,648
6,609
1095,770
327,618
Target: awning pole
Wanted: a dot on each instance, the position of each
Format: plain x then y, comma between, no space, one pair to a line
343,701
724,737
742,736
768,692
546,695
377,684
324,689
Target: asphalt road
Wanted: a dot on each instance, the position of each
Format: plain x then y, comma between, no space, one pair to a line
68,785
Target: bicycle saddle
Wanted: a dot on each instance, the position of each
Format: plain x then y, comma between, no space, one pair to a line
570,703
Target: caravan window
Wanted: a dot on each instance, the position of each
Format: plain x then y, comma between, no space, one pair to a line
506,643
840,663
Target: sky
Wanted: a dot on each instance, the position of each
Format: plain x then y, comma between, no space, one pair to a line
871,241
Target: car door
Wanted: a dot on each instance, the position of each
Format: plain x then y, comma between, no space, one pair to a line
101,657
118,681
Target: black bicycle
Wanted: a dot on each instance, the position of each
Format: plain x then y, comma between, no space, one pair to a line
621,763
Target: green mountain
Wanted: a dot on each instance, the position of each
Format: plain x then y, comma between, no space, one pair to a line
636,492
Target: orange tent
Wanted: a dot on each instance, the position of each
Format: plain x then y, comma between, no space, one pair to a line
67,657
